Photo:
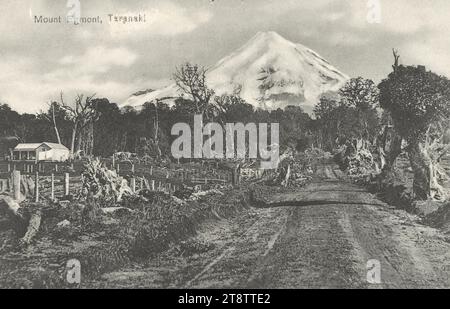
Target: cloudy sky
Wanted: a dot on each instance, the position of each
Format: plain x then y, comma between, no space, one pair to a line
114,60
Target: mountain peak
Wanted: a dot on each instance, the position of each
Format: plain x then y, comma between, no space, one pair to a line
268,72
268,35
265,39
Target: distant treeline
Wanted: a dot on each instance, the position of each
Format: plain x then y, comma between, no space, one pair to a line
128,130
92,126
96,127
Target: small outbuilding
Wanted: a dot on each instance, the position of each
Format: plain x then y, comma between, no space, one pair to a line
41,152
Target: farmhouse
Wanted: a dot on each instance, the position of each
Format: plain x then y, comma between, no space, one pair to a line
41,152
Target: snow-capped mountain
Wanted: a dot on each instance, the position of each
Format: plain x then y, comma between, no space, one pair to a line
268,72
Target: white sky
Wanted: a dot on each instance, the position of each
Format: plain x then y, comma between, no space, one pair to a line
37,62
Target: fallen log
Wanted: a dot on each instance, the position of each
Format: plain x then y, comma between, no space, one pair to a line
114,210
33,227
9,205
22,225
10,208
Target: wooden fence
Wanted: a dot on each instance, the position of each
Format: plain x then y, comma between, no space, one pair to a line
57,184
177,173
140,176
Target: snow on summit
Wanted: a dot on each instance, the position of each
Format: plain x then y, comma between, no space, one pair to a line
268,72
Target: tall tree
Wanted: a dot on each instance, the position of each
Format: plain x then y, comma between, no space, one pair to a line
361,96
9,119
107,128
419,104
327,120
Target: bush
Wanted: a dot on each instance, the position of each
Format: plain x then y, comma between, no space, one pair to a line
103,184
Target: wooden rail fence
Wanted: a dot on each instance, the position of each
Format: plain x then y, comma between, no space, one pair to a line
139,176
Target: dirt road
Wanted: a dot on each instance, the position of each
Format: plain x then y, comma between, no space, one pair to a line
321,236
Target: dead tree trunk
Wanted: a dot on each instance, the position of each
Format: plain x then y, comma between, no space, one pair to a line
389,148
86,139
427,172
9,206
54,124
422,166
33,227
156,133
74,136
287,177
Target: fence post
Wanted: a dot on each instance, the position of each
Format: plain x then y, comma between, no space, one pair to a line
153,185
66,184
235,176
36,187
133,184
53,187
16,185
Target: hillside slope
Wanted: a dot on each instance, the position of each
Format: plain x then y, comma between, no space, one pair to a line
269,72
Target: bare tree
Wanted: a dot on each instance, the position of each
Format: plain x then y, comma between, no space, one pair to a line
156,131
191,80
51,117
396,59
55,126
81,115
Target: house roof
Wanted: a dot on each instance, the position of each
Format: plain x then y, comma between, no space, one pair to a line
56,146
27,147
34,146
